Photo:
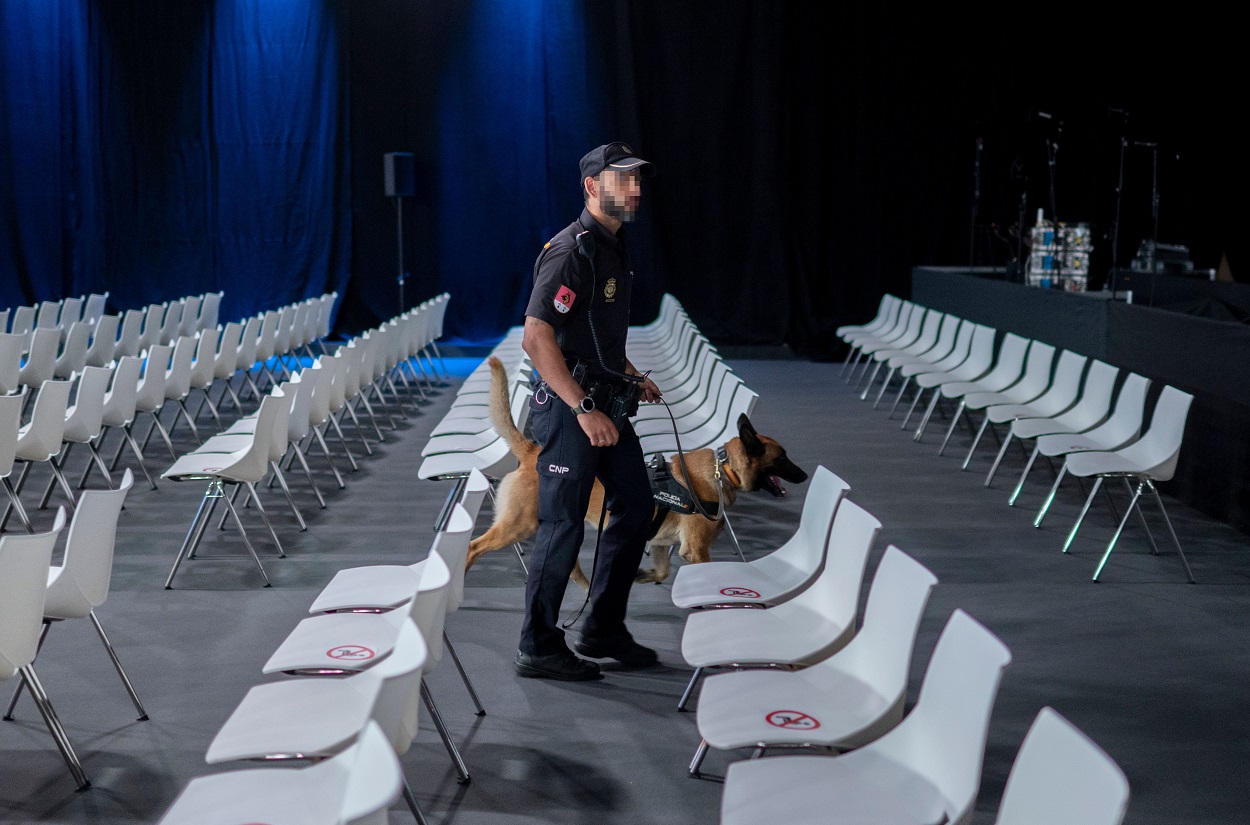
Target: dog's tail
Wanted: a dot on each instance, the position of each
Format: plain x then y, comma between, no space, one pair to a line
501,410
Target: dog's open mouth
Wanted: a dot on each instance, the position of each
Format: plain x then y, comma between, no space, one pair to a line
773,485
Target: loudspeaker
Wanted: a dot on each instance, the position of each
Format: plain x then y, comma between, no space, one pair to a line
398,174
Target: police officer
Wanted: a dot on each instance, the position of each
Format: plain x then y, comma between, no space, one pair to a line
576,324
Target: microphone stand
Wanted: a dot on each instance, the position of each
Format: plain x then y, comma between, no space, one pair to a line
1154,212
1115,223
976,198
1052,150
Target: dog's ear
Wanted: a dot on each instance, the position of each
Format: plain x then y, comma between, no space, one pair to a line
750,439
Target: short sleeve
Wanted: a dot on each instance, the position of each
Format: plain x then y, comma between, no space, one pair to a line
556,287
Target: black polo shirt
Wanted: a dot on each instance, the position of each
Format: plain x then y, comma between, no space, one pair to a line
567,290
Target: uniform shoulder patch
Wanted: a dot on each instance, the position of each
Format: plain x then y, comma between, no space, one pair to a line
564,299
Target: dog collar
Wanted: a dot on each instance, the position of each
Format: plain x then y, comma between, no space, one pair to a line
722,466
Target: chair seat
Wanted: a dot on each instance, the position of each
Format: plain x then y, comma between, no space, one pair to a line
743,708
732,582
292,712
206,465
459,442
384,586
270,795
982,400
1033,427
1061,443
1093,462
865,788
337,641
493,460
788,634
1000,413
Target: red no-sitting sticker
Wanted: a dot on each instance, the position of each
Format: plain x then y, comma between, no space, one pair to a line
792,719
739,592
354,653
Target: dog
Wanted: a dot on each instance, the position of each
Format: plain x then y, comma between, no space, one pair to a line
753,462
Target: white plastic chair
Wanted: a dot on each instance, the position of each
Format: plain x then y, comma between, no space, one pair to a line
1089,409
40,363
1120,429
119,414
796,633
151,335
1058,397
1018,377
921,333
971,365
131,334
354,787
1061,775
925,770
150,395
24,564
94,307
103,348
318,718
12,347
80,583
778,575
178,385
342,643
73,355
846,701
1150,459
49,314
39,440
10,424
886,320
188,323
209,309
245,468
84,420
171,321
940,346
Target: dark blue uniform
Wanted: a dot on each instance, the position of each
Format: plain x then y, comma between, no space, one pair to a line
566,291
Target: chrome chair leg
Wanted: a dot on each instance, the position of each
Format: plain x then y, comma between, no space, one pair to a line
1054,488
951,429
1088,501
463,676
972,448
685,697
461,768
54,727
1168,522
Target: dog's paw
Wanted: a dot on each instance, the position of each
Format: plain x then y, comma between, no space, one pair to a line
647,576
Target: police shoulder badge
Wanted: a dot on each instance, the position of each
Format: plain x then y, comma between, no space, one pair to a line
564,300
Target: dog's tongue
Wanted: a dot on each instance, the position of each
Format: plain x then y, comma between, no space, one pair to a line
776,482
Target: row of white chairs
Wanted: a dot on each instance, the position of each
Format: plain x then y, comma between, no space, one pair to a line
1080,411
36,592
358,666
306,407
804,672
703,401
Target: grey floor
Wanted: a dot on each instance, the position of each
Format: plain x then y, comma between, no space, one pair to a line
1153,668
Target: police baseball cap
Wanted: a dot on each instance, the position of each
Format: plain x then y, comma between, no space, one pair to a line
617,156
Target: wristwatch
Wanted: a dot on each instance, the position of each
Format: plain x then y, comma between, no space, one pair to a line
586,405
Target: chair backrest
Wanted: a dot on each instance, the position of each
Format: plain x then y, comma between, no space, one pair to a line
268,336
23,319
374,778
10,422
82,582
453,542
943,738
49,313
834,593
1095,400
73,356
325,317
172,320
85,418
429,609
11,348
323,378
275,407
71,312
96,304
1066,386
248,342
151,394
302,388
943,339
152,326
440,313
204,364
279,437
131,335
398,701
1036,376
880,654
209,309
120,400
1126,419
103,340
24,564
1009,364
42,436
40,364
1061,775
802,556
1159,448
188,324
226,359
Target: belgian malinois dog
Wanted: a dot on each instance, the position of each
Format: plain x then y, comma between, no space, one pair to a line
753,462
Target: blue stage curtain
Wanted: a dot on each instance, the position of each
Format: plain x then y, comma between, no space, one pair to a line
158,150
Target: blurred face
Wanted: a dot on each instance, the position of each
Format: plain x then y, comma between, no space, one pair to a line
620,194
